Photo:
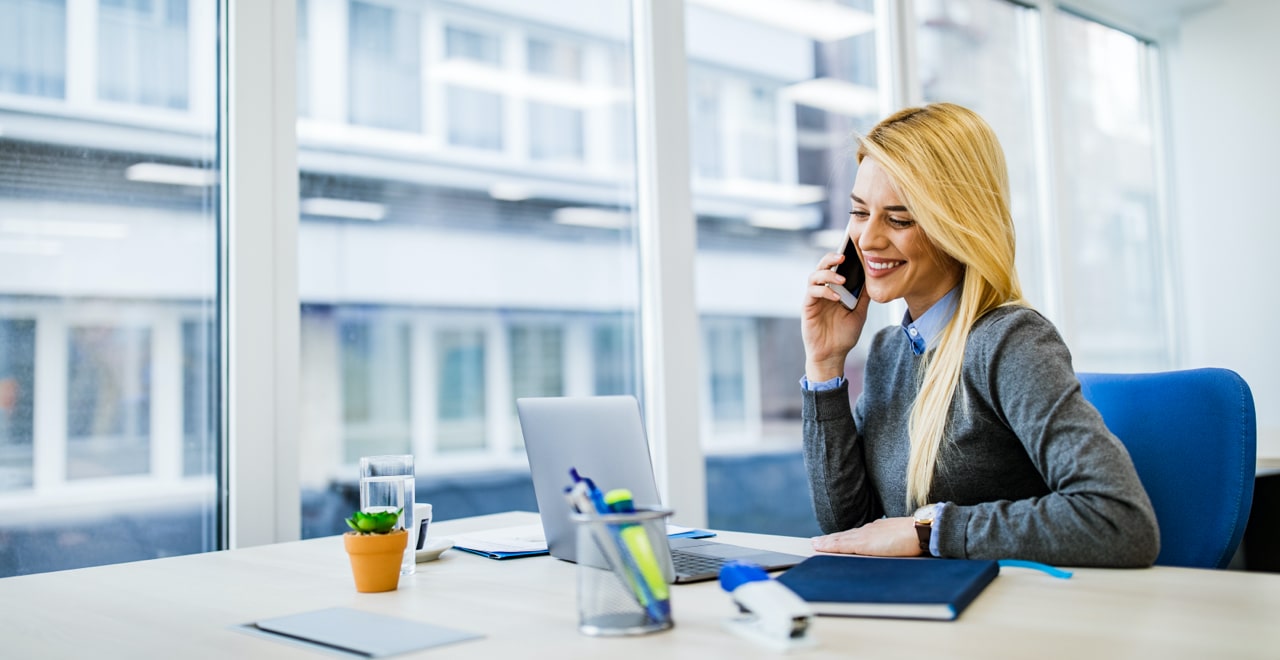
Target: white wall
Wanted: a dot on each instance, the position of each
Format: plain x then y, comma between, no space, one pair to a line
1225,97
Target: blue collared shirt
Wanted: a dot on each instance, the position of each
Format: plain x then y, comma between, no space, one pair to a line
923,333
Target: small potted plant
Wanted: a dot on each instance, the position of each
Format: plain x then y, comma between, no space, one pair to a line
376,547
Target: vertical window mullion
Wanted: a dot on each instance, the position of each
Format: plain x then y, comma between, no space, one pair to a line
258,281
667,242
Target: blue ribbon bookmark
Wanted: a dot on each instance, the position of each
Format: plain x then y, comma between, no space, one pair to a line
1035,566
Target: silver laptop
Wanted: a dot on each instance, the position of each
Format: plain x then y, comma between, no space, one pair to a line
603,437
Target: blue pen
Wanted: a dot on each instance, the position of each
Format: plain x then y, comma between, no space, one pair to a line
584,495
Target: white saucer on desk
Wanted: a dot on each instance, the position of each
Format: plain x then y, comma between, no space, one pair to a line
433,549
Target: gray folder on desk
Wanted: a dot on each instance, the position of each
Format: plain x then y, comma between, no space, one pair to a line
358,633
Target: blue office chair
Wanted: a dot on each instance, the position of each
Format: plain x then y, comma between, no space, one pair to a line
1193,438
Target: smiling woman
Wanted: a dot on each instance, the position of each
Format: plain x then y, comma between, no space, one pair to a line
971,414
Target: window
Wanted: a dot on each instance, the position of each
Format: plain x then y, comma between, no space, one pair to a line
142,52
17,398
460,382
771,111
109,389
474,45
475,119
108,401
385,67
33,46
376,360
1113,288
432,278
555,133
980,54
555,59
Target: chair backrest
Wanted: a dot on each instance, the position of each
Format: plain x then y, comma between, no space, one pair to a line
1193,438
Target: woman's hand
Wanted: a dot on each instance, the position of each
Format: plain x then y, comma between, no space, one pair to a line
830,330
886,537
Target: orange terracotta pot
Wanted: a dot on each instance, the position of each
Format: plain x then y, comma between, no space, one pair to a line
375,559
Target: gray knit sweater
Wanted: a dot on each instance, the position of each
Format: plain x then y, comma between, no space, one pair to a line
1028,468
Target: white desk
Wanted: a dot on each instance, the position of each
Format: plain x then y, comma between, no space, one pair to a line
186,607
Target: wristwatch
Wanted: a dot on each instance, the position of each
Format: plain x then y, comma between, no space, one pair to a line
924,524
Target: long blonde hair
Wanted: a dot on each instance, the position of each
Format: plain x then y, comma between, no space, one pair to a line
947,166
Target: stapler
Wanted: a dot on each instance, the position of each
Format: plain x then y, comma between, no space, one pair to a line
772,614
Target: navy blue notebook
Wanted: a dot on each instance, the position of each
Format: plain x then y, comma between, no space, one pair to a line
887,587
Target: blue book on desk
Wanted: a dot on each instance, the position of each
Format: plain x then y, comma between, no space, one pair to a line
898,588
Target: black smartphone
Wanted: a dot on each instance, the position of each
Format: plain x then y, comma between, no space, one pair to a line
854,277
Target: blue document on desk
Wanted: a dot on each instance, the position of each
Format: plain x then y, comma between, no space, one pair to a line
357,633
530,541
899,588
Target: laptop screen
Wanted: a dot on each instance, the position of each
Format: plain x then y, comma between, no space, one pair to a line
602,436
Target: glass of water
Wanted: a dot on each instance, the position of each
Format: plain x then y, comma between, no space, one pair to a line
387,484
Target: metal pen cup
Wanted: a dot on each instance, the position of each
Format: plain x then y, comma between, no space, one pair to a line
624,571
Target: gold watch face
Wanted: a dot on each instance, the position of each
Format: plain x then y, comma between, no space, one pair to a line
924,515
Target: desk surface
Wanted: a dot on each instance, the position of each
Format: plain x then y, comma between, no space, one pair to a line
187,607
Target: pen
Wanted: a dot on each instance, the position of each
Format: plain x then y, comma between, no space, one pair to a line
587,499
637,540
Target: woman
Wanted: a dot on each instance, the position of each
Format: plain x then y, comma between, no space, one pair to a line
971,437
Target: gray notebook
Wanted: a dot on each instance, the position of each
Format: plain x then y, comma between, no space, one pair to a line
358,633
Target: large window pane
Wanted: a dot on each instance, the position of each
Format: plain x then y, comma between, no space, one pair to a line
772,108
1113,272
981,54
108,282
485,255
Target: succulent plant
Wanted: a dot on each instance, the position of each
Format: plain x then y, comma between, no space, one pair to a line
378,522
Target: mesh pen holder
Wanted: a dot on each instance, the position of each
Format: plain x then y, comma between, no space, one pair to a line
624,573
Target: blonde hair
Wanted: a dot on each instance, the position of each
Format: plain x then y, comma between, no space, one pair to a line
947,166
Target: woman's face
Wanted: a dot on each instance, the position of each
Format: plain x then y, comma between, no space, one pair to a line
901,262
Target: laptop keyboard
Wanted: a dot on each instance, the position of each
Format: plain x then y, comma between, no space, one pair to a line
687,563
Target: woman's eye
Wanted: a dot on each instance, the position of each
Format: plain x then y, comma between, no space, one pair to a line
900,223
859,214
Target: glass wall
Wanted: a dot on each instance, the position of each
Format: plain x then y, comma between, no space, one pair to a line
1116,307
466,234
108,226
981,54
776,94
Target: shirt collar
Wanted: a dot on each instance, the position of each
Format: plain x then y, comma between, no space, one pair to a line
923,333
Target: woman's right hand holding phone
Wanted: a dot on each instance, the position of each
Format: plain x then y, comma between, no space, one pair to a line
829,329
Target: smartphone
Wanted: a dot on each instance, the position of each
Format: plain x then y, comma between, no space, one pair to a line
854,277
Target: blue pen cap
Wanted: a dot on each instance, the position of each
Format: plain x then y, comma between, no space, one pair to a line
735,574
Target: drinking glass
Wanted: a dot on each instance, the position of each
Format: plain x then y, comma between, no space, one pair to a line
385,483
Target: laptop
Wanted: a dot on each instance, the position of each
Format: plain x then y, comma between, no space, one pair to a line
604,438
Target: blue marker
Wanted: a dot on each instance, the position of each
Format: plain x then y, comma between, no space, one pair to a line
585,497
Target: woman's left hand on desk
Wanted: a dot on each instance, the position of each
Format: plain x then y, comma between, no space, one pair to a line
886,537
